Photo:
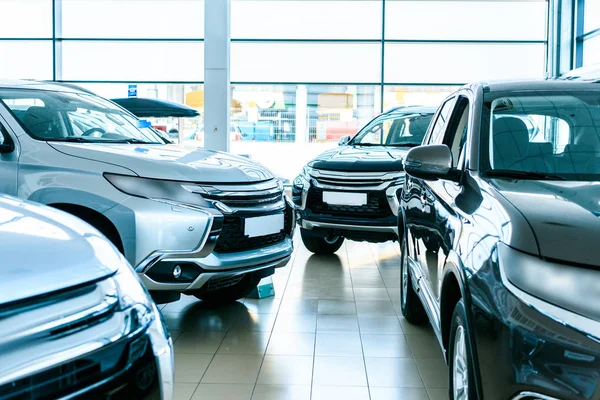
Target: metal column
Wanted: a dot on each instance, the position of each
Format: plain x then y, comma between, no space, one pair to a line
217,93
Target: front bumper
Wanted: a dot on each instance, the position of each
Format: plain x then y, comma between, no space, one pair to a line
358,223
221,265
524,354
221,252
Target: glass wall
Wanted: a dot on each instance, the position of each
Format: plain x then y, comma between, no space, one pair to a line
304,73
590,37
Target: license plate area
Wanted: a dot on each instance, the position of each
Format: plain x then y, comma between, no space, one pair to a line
264,225
345,198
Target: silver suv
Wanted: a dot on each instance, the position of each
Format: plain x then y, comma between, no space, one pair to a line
75,322
189,220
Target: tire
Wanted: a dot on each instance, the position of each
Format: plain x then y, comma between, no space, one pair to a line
229,294
410,304
321,245
460,361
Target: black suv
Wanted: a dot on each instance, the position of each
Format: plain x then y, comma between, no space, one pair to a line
499,226
352,191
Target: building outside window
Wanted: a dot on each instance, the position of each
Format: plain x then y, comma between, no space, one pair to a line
304,73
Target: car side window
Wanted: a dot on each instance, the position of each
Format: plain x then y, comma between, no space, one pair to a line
439,127
456,134
3,134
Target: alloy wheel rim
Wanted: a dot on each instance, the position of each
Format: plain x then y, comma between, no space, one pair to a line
460,368
404,273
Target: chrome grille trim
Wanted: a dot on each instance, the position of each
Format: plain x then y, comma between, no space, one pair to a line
354,181
68,323
65,326
262,197
100,301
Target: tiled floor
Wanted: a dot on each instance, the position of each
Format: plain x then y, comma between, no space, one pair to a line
333,330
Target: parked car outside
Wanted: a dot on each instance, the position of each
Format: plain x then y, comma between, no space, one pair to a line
352,191
75,321
499,230
189,220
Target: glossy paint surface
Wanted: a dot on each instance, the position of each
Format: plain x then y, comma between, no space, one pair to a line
45,250
454,230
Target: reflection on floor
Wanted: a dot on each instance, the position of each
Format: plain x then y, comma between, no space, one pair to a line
333,330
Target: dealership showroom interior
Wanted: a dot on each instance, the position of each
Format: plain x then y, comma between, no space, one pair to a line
300,199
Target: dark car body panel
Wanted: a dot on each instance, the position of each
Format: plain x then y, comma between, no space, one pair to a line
570,235
361,159
453,232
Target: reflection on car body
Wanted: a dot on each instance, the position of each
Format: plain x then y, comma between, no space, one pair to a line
510,284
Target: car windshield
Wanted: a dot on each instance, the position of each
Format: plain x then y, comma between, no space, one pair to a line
543,135
77,117
394,130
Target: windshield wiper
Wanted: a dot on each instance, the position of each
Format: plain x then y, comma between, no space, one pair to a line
403,144
525,175
80,139
77,139
134,141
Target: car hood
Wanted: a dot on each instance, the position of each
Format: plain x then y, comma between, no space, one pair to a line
361,159
171,162
564,216
45,250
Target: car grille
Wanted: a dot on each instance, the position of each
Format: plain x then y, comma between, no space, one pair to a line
215,284
232,238
46,344
377,205
241,197
78,374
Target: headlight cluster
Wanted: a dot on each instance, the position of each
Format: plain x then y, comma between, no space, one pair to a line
567,287
180,192
399,181
131,290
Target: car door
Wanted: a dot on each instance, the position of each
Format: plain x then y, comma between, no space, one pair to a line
8,160
439,197
418,202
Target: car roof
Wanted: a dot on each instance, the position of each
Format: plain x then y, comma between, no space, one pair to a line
410,110
521,85
41,85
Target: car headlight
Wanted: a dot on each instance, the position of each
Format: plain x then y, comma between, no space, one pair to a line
306,172
130,288
177,191
559,286
399,181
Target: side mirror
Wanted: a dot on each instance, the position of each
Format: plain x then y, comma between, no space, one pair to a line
344,140
6,144
431,163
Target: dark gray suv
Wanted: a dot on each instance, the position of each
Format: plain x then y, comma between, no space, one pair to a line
499,223
352,192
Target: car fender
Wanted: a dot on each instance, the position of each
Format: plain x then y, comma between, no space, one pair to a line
454,266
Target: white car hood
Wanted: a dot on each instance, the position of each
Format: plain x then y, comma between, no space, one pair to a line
171,162
45,250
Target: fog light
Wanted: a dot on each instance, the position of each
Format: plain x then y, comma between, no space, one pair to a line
177,272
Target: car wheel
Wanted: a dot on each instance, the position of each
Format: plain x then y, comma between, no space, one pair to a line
460,371
211,292
321,245
410,304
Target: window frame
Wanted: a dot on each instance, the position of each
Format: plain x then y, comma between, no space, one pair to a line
451,101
